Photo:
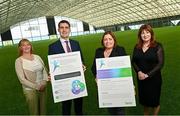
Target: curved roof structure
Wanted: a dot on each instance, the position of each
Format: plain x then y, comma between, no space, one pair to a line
98,13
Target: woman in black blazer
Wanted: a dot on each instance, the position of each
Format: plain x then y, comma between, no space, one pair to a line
109,49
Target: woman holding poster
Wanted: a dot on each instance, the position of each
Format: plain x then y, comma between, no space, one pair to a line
109,49
148,60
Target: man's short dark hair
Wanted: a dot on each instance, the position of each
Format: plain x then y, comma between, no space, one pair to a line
63,21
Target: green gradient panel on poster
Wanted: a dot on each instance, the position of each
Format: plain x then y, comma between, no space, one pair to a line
114,73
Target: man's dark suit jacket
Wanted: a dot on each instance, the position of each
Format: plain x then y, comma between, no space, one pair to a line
57,48
117,51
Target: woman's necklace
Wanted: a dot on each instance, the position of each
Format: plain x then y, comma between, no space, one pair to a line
107,53
145,47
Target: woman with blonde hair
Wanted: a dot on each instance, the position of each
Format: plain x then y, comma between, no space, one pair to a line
32,75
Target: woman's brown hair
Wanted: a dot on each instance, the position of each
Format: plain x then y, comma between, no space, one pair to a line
140,41
113,36
20,44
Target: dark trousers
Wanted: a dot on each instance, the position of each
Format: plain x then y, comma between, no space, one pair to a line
66,106
116,111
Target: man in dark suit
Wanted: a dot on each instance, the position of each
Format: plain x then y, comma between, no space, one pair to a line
65,45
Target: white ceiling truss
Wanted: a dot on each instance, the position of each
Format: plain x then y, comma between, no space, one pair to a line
98,13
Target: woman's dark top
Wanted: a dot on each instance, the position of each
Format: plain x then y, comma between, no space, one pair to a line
117,51
150,63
